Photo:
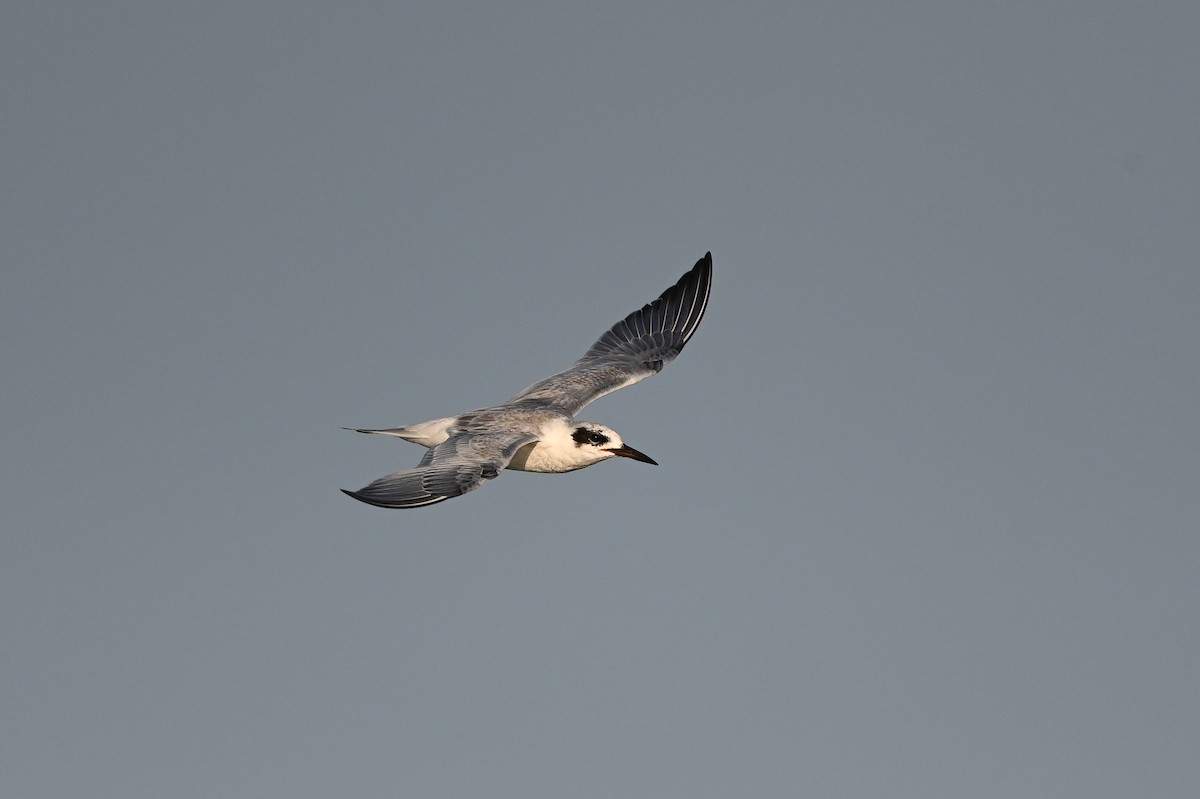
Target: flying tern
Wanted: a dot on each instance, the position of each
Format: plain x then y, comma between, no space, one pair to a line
536,430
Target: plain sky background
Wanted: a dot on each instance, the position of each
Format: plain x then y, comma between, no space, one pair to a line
926,523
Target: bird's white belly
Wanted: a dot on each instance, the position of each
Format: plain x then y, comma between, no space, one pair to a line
536,457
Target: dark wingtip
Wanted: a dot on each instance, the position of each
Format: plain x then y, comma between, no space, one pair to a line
703,267
698,278
361,497
366,500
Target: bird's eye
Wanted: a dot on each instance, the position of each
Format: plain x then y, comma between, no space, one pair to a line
597,438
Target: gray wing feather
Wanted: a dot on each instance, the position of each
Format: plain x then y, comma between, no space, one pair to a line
459,464
634,348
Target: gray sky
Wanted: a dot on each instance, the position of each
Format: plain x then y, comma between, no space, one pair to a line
926,519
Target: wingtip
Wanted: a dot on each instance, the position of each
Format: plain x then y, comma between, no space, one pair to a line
366,500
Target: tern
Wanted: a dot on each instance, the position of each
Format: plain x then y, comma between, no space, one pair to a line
536,430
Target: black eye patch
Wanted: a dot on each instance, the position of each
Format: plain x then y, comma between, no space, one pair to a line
582,436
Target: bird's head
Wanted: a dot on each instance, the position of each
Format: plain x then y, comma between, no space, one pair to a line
595,442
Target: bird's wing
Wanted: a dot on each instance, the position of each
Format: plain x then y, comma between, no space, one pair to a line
459,464
638,346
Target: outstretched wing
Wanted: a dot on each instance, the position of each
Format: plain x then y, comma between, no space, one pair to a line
459,464
638,346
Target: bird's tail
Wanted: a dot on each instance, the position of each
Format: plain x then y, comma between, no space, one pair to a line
427,434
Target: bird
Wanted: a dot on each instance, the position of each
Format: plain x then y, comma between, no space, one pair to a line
536,431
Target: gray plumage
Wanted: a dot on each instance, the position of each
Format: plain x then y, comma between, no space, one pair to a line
535,430
638,346
459,464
